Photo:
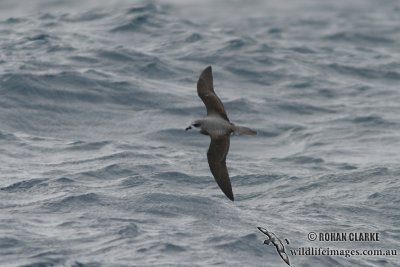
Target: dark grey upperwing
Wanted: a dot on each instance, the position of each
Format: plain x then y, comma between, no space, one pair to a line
216,156
205,90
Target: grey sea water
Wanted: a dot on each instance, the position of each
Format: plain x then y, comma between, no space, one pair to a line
97,170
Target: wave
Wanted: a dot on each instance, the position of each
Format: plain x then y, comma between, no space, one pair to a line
8,136
9,242
302,159
85,146
143,16
113,170
355,37
373,119
304,109
74,202
363,72
24,185
170,205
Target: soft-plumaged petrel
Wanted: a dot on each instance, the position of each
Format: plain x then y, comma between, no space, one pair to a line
274,240
217,125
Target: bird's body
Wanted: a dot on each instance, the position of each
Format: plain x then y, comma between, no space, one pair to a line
217,125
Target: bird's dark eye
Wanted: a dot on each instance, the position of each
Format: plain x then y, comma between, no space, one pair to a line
196,125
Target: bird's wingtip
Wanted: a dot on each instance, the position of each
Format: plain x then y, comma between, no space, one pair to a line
208,69
206,76
229,194
263,230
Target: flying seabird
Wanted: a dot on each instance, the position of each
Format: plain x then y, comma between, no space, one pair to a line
274,240
217,125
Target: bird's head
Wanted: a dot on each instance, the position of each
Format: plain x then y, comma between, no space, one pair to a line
195,124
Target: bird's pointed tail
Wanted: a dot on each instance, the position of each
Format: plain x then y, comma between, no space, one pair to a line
244,130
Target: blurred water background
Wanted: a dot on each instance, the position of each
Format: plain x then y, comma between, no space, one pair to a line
97,170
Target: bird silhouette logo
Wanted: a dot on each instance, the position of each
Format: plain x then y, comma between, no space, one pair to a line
274,240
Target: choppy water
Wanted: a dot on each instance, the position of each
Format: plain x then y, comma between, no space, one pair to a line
97,170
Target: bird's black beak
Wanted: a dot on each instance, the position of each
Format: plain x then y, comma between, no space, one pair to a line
188,128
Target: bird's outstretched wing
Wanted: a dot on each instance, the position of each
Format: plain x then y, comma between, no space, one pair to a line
216,156
205,90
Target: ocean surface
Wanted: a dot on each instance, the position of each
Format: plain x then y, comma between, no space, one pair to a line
97,170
